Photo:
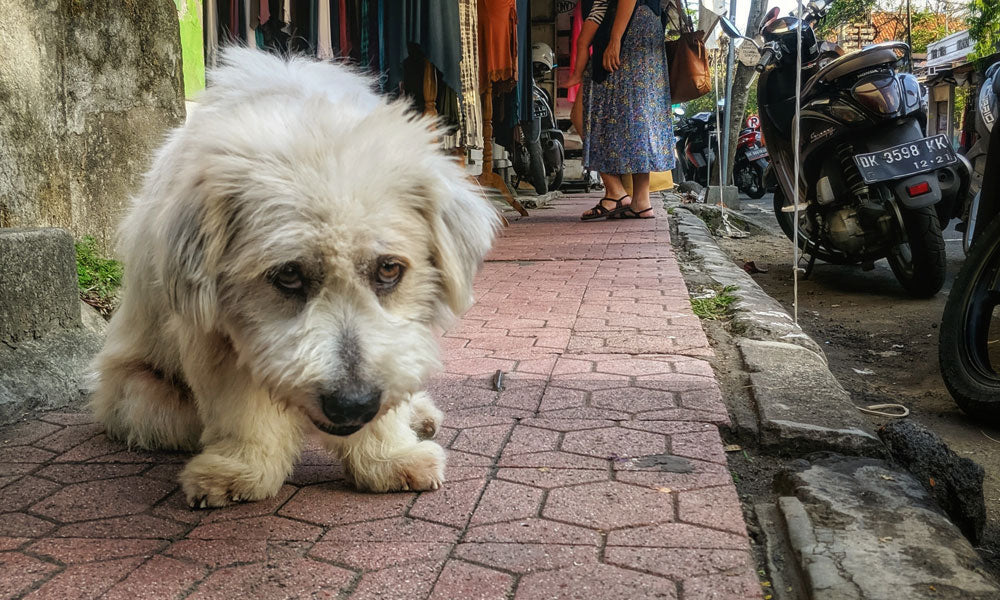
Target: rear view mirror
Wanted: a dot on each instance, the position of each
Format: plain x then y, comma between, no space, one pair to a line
729,28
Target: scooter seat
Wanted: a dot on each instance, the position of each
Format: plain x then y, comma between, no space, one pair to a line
872,56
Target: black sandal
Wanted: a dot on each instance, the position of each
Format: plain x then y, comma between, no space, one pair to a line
599,212
628,213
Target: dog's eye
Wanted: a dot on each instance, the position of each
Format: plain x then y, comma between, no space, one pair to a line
390,271
288,278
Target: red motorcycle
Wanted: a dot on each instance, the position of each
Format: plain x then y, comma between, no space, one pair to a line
751,160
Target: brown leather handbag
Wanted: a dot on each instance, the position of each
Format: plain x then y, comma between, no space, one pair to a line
687,60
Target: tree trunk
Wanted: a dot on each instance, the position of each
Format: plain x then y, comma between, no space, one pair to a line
741,81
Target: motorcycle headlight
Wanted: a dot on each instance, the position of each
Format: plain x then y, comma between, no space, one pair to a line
880,95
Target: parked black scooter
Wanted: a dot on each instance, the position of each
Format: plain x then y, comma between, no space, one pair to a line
539,153
969,345
986,115
869,180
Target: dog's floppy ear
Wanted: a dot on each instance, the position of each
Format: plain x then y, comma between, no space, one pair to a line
463,230
195,237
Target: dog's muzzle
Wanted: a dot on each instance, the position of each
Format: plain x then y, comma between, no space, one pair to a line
349,408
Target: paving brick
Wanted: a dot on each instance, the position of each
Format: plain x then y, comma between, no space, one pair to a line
85,550
632,400
337,504
25,433
586,582
257,528
25,492
21,573
460,579
609,505
527,558
614,442
23,525
297,578
533,531
85,581
134,526
553,460
743,586
76,473
525,440
12,543
67,418
718,508
160,577
412,580
705,445
219,553
679,563
392,530
102,499
703,475
451,505
506,501
251,509
485,441
372,556
69,436
94,447
24,454
547,478
13,469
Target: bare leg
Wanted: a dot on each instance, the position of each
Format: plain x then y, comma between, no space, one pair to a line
250,442
386,455
640,191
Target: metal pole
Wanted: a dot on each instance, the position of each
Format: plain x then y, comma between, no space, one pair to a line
909,40
730,65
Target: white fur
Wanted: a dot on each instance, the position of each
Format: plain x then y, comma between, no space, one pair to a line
288,160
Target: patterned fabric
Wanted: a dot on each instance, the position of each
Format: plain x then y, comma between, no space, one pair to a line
470,132
627,116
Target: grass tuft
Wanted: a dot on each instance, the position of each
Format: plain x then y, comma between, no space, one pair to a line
99,278
716,306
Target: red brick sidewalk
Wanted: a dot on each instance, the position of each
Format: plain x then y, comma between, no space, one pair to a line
597,473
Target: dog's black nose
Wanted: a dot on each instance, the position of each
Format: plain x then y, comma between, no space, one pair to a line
350,407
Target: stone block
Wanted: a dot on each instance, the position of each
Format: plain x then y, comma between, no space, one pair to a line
730,196
90,88
38,289
45,343
861,530
955,482
800,405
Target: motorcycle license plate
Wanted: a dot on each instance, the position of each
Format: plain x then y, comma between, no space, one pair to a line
906,159
756,153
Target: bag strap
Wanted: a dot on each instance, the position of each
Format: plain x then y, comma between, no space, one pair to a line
684,24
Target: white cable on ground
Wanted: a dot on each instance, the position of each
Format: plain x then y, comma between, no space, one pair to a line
874,409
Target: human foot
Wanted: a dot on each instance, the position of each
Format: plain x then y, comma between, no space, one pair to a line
602,211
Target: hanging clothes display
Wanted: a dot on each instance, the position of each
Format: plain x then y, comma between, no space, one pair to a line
396,40
498,44
471,125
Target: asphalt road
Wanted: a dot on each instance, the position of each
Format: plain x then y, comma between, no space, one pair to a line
880,343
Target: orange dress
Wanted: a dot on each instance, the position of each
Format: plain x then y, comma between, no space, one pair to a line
497,44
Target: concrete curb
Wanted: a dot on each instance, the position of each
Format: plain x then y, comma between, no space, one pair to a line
47,335
800,406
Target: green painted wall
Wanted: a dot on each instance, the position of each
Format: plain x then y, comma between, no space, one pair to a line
189,14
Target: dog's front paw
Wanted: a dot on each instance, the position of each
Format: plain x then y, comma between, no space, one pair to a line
423,469
419,468
213,480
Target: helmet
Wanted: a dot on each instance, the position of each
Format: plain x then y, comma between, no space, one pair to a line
543,56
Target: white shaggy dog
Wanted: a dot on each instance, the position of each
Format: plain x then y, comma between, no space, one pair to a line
294,247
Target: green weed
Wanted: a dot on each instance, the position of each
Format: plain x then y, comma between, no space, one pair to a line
99,278
717,306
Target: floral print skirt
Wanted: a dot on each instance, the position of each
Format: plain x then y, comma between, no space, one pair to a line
627,120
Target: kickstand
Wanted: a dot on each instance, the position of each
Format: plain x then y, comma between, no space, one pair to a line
809,266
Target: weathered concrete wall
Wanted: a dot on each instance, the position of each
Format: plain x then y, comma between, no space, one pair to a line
87,91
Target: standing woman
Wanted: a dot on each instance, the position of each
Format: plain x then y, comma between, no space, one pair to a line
626,106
